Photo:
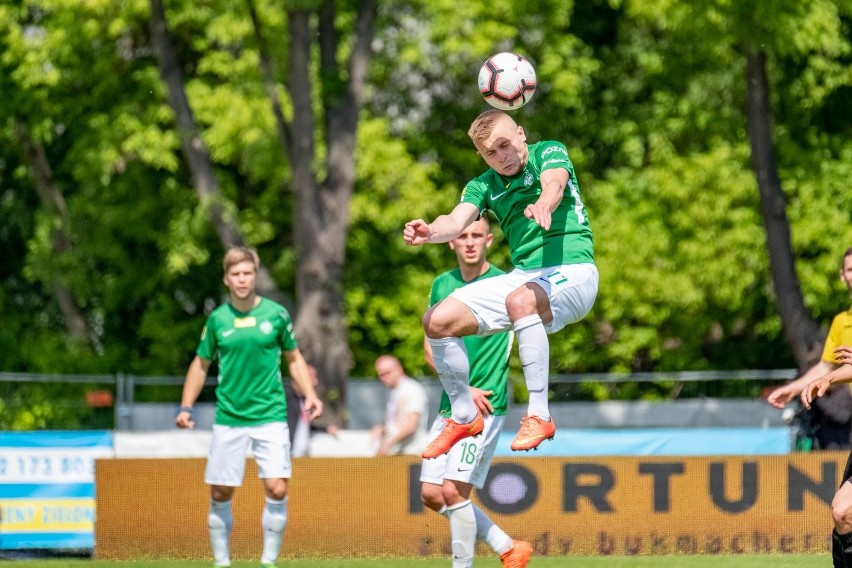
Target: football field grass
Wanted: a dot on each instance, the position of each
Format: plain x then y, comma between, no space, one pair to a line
727,561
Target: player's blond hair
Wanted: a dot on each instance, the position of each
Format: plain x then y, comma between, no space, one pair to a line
483,125
236,255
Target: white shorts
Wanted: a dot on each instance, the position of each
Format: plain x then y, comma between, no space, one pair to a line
270,444
468,460
571,288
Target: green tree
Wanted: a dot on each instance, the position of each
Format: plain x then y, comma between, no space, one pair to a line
788,51
321,185
319,147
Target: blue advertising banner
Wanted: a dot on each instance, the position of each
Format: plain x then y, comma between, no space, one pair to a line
47,488
658,442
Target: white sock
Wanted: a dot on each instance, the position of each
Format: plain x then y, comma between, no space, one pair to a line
534,352
462,533
491,534
220,519
453,367
273,521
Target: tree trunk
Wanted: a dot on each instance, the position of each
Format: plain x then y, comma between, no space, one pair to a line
341,120
195,152
321,223
60,235
801,331
282,128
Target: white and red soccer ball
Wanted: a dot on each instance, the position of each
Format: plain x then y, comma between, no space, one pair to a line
507,81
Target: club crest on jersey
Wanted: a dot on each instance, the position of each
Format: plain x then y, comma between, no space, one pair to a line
266,328
528,178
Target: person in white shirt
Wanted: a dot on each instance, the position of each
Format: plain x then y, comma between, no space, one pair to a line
405,427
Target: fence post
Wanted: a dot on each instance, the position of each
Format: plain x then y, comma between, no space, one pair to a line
122,406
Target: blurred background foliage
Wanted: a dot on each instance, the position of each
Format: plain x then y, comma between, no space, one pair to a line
647,96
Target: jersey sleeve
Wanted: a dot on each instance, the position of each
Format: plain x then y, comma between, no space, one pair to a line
287,336
552,155
475,193
207,344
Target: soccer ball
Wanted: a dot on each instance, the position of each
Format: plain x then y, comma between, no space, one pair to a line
507,81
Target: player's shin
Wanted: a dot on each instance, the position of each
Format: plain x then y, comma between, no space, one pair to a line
453,367
491,534
462,533
534,352
220,519
273,521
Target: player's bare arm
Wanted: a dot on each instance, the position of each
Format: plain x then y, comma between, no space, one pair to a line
553,184
300,373
196,375
443,229
784,394
820,386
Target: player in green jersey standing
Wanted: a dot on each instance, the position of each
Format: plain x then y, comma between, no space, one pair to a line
248,336
533,191
447,481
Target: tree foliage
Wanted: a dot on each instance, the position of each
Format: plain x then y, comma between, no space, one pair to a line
650,99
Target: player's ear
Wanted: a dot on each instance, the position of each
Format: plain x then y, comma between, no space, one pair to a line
489,238
451,245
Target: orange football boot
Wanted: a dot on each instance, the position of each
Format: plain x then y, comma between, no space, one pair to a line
452,433
534,430
518,556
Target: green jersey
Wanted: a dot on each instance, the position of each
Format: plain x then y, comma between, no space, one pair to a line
248,348
488,355
569,239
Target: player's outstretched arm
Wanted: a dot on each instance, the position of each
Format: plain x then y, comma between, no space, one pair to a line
784,394
443,229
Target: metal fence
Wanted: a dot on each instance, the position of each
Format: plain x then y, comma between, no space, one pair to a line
45,401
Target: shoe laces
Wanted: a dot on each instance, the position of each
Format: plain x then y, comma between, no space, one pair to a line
449,426
528,423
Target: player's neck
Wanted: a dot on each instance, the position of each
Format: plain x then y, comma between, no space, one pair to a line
245,304
472,272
